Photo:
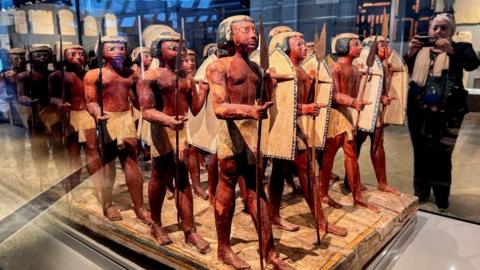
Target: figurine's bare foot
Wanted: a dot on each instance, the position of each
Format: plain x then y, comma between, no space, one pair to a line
363,203
284,224
345,189
389,189
198,242
279,264
200,193
144,216
328,200
112,213
160,235
333,229
232,259
334,177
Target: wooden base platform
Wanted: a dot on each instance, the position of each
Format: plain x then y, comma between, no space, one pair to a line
368,232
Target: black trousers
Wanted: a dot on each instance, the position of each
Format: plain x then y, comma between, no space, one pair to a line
433,134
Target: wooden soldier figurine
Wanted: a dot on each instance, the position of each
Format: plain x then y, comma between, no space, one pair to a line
234,81
146,61
119,133
8,82
377,152
143,126
293,44
32,89
346,80
202,129
34,106
159,99
189,65
67,94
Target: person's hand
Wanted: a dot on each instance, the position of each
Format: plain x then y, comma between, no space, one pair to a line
204,86
271,76
443,45
9,73
414,46
102,118
64,106
313,108
272,72
25,100
359,105
386,100
259,112
177,124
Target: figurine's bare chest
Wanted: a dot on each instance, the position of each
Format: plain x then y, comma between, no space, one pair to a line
242,83
113,81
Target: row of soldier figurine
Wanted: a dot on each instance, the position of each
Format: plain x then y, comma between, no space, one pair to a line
310,106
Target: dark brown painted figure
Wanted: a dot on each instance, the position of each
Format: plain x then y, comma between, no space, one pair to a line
346,80
234,81
117,94
377,151
8,80
189,65
297,51
81,128
32,91
32,86
157,100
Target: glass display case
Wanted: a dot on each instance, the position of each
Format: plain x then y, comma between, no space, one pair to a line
114,114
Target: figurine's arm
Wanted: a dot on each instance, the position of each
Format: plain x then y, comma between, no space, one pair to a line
133,93
55,91
197,98
90,84
147,102
217,79
344,99
270,84
22,97
311,107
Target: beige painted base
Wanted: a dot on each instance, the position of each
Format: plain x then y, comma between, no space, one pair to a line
368,232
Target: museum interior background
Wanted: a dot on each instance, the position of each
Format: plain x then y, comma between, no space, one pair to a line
29,23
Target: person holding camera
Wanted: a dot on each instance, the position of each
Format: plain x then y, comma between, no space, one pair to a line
436,105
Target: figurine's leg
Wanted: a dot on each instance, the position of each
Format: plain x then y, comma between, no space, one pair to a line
271,256
75,165
108,181
40,156
243,193
353,173
360,138
194,170
279,169
94,163
134,179
314,202
331,148
224,208
161,174
59,148
377,154
212,177
296,189
185,209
